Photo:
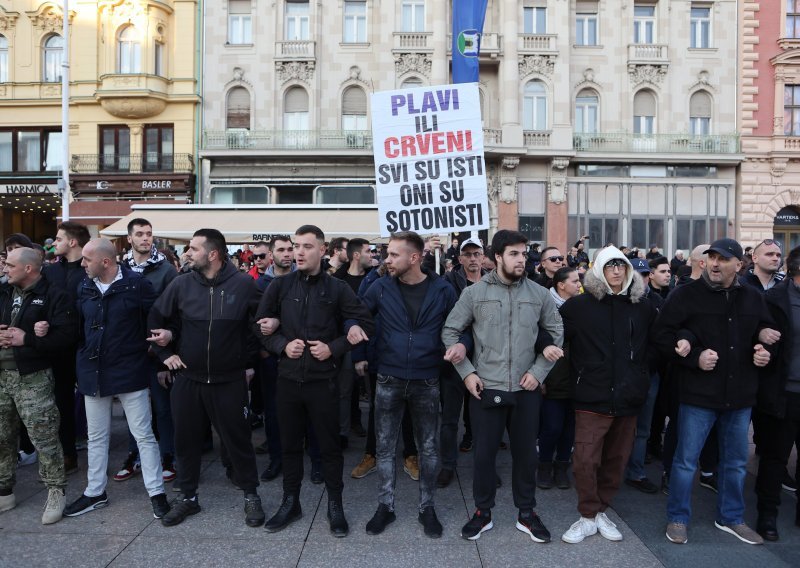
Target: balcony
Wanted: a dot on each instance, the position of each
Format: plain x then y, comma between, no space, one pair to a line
536,138
417,42
131,163
295,50
492,137
491,45
135,95
624,142
530,44
287,140
648,54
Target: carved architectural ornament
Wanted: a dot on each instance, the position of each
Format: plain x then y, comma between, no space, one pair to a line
413,62
510,162
48,18
652,74
298,70
541,64
8,20
557,184
354,76
777,169
143,107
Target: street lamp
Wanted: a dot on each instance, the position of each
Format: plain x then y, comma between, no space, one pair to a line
64,182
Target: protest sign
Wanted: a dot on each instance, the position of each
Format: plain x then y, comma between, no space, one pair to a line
429,167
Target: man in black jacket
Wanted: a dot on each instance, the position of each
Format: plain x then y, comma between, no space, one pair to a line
777,414
202,331
312,308
26,382
718,383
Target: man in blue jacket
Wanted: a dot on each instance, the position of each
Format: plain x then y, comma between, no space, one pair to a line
412,306
113,302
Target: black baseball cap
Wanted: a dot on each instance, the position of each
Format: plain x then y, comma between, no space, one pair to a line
640,265
728,248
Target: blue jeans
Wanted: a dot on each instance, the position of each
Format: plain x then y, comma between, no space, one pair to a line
556,430
694,424
392,395
635,469
162,412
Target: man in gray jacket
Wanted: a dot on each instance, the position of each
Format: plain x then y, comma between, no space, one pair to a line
505,310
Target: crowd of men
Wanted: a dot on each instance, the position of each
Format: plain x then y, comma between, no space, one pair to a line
581,361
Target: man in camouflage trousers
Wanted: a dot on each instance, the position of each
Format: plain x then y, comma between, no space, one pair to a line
36,321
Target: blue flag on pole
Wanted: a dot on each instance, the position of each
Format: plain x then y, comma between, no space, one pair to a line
468,16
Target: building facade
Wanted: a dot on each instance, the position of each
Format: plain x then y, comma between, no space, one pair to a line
770,111
612,119
133,105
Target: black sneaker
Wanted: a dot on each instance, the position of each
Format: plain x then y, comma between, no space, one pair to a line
273,470
530,523
644,485
182,508
466,444
431,525
316,474
84,504
788,483
480,522
160,505
709,482
382,517
253,513
336,518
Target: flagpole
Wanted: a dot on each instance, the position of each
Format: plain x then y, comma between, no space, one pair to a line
65,190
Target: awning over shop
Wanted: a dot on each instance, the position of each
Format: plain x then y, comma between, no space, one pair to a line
250,223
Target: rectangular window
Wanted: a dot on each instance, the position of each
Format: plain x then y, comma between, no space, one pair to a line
52,65
53,151
700,27
793,19
413,15
297,21
158,148
532,226
240,22
534,112
791,110
644,124
239,194
586,115
115,149
355,21
586,29
700,126
159,59
29,148
644,24
3,61
534,20
354,122
6,151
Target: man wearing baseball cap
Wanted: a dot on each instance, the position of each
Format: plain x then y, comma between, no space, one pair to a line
728,323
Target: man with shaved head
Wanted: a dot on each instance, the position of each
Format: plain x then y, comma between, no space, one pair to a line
113,303
26,379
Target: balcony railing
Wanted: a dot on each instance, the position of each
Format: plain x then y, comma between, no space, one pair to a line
287,140
131,163
412,41
656,143
295,49
536,138
791,143
492,136
536,43
648,53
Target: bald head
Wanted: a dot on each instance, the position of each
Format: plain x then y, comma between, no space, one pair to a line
23,266
27,256
697,260
100,260
102,248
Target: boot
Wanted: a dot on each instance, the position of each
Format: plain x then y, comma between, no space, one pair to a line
288,512
339,526
767,526
560,475
544,475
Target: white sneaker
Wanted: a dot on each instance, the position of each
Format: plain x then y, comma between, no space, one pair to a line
7,502
27,459
582,528
607,529
54,509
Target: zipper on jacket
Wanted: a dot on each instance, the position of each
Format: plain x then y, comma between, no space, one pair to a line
510,315
210,321
221,302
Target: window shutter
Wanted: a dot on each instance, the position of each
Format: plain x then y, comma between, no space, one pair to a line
354,101
644,104
295,100
700,105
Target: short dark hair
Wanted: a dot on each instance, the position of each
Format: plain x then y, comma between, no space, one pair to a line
544,252
18,239
138,221
314,230
354,246
505,238
278,238
337,243
214,241
76,231
562,274
657,261
793,262
261,244
411,238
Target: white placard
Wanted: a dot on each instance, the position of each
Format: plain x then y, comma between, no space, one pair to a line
429,167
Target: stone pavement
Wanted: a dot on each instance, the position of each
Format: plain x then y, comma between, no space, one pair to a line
125,534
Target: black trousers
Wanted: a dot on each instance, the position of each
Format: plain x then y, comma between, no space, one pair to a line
197,405
776,437
317,402
488,425
65,379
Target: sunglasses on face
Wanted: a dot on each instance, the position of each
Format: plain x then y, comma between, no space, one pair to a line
616,263
261,256
555,258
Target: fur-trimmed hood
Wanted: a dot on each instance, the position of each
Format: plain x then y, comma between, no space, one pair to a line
594,281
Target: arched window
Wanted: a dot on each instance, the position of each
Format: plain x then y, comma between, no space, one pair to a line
53,54
411,83
534,106
3,59
700,114
129,51
354,109
295,109
587,111
238,108
644,112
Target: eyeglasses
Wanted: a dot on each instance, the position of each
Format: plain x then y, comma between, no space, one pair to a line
475,254
555,258
768,242
614,263
261,256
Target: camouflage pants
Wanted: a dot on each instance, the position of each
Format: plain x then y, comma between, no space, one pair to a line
30,398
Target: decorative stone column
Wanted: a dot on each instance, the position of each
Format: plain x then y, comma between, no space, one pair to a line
557,203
